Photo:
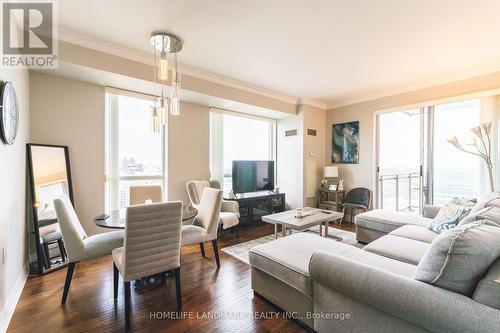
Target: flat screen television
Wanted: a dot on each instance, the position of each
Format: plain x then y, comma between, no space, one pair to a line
253,176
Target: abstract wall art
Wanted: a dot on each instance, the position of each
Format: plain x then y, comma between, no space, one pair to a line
345,143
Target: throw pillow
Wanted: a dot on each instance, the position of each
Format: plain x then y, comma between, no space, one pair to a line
458,258
448,217
489,200
474,216
464,202
492,214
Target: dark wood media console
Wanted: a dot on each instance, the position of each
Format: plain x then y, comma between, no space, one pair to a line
255,205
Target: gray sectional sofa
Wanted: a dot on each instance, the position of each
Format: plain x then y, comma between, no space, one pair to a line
334,287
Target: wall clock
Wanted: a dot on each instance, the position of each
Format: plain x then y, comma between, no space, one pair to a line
9,113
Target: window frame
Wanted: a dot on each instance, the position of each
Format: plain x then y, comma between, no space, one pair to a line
112,163
216,141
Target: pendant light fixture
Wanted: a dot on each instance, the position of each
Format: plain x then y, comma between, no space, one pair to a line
165,44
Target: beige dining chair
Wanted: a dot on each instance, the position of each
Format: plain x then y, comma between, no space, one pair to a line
78,245
152,245
230,210
141,193
205,224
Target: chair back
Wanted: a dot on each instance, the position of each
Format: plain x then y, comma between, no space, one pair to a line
359,196
195,190
209,212
72,231
152,242
139,194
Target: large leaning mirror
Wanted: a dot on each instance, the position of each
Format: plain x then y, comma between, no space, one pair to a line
50,177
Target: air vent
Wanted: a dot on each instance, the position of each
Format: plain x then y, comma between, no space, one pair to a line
291,132
311,132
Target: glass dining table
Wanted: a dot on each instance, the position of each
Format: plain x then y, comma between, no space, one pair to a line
116,218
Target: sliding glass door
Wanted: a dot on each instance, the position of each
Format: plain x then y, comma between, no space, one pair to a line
400,156
417,165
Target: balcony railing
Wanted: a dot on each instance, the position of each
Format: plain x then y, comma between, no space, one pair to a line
399,191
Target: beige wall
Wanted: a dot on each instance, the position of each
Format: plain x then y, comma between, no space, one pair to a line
300,158
83,56
290,166
13,207
363,174
188,149
70,112
314,147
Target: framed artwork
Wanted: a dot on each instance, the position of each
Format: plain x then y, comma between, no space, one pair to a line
332,187
345,143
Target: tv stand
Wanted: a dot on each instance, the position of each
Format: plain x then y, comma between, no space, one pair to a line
257,204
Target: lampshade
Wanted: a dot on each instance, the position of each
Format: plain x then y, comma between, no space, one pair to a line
331,171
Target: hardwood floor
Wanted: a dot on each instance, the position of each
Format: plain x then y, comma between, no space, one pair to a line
206,291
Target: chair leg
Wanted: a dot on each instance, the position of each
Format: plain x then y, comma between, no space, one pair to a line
216,252
115,282
202,249
47,254
44,258
126,287
236,231
163,277
67,283
178,293
343,217
61,249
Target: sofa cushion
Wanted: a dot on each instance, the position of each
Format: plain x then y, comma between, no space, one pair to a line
399,248
458,258
448,217
381,262
387,221
488,289
415,232
287,258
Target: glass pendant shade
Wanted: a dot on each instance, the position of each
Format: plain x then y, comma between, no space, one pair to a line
163,67
165,44
155,120
175,106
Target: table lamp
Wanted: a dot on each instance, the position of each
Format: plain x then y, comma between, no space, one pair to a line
330,171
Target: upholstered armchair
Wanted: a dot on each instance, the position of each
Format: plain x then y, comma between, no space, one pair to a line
78,245
230,210
206,223
152,245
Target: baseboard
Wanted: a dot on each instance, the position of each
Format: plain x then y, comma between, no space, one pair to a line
10,305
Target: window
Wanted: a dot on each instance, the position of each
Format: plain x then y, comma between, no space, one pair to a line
238,137
135,155
456,174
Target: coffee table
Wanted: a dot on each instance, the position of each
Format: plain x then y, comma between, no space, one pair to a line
288,221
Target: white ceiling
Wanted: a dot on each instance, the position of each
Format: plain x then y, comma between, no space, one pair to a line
334,51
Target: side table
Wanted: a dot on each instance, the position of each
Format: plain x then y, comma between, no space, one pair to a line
331,200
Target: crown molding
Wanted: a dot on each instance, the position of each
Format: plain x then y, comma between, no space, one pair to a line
146,58
415,87
313,103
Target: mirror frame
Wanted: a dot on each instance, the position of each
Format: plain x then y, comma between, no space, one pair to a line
29,160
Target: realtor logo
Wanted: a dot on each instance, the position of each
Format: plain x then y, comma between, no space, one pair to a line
28,35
